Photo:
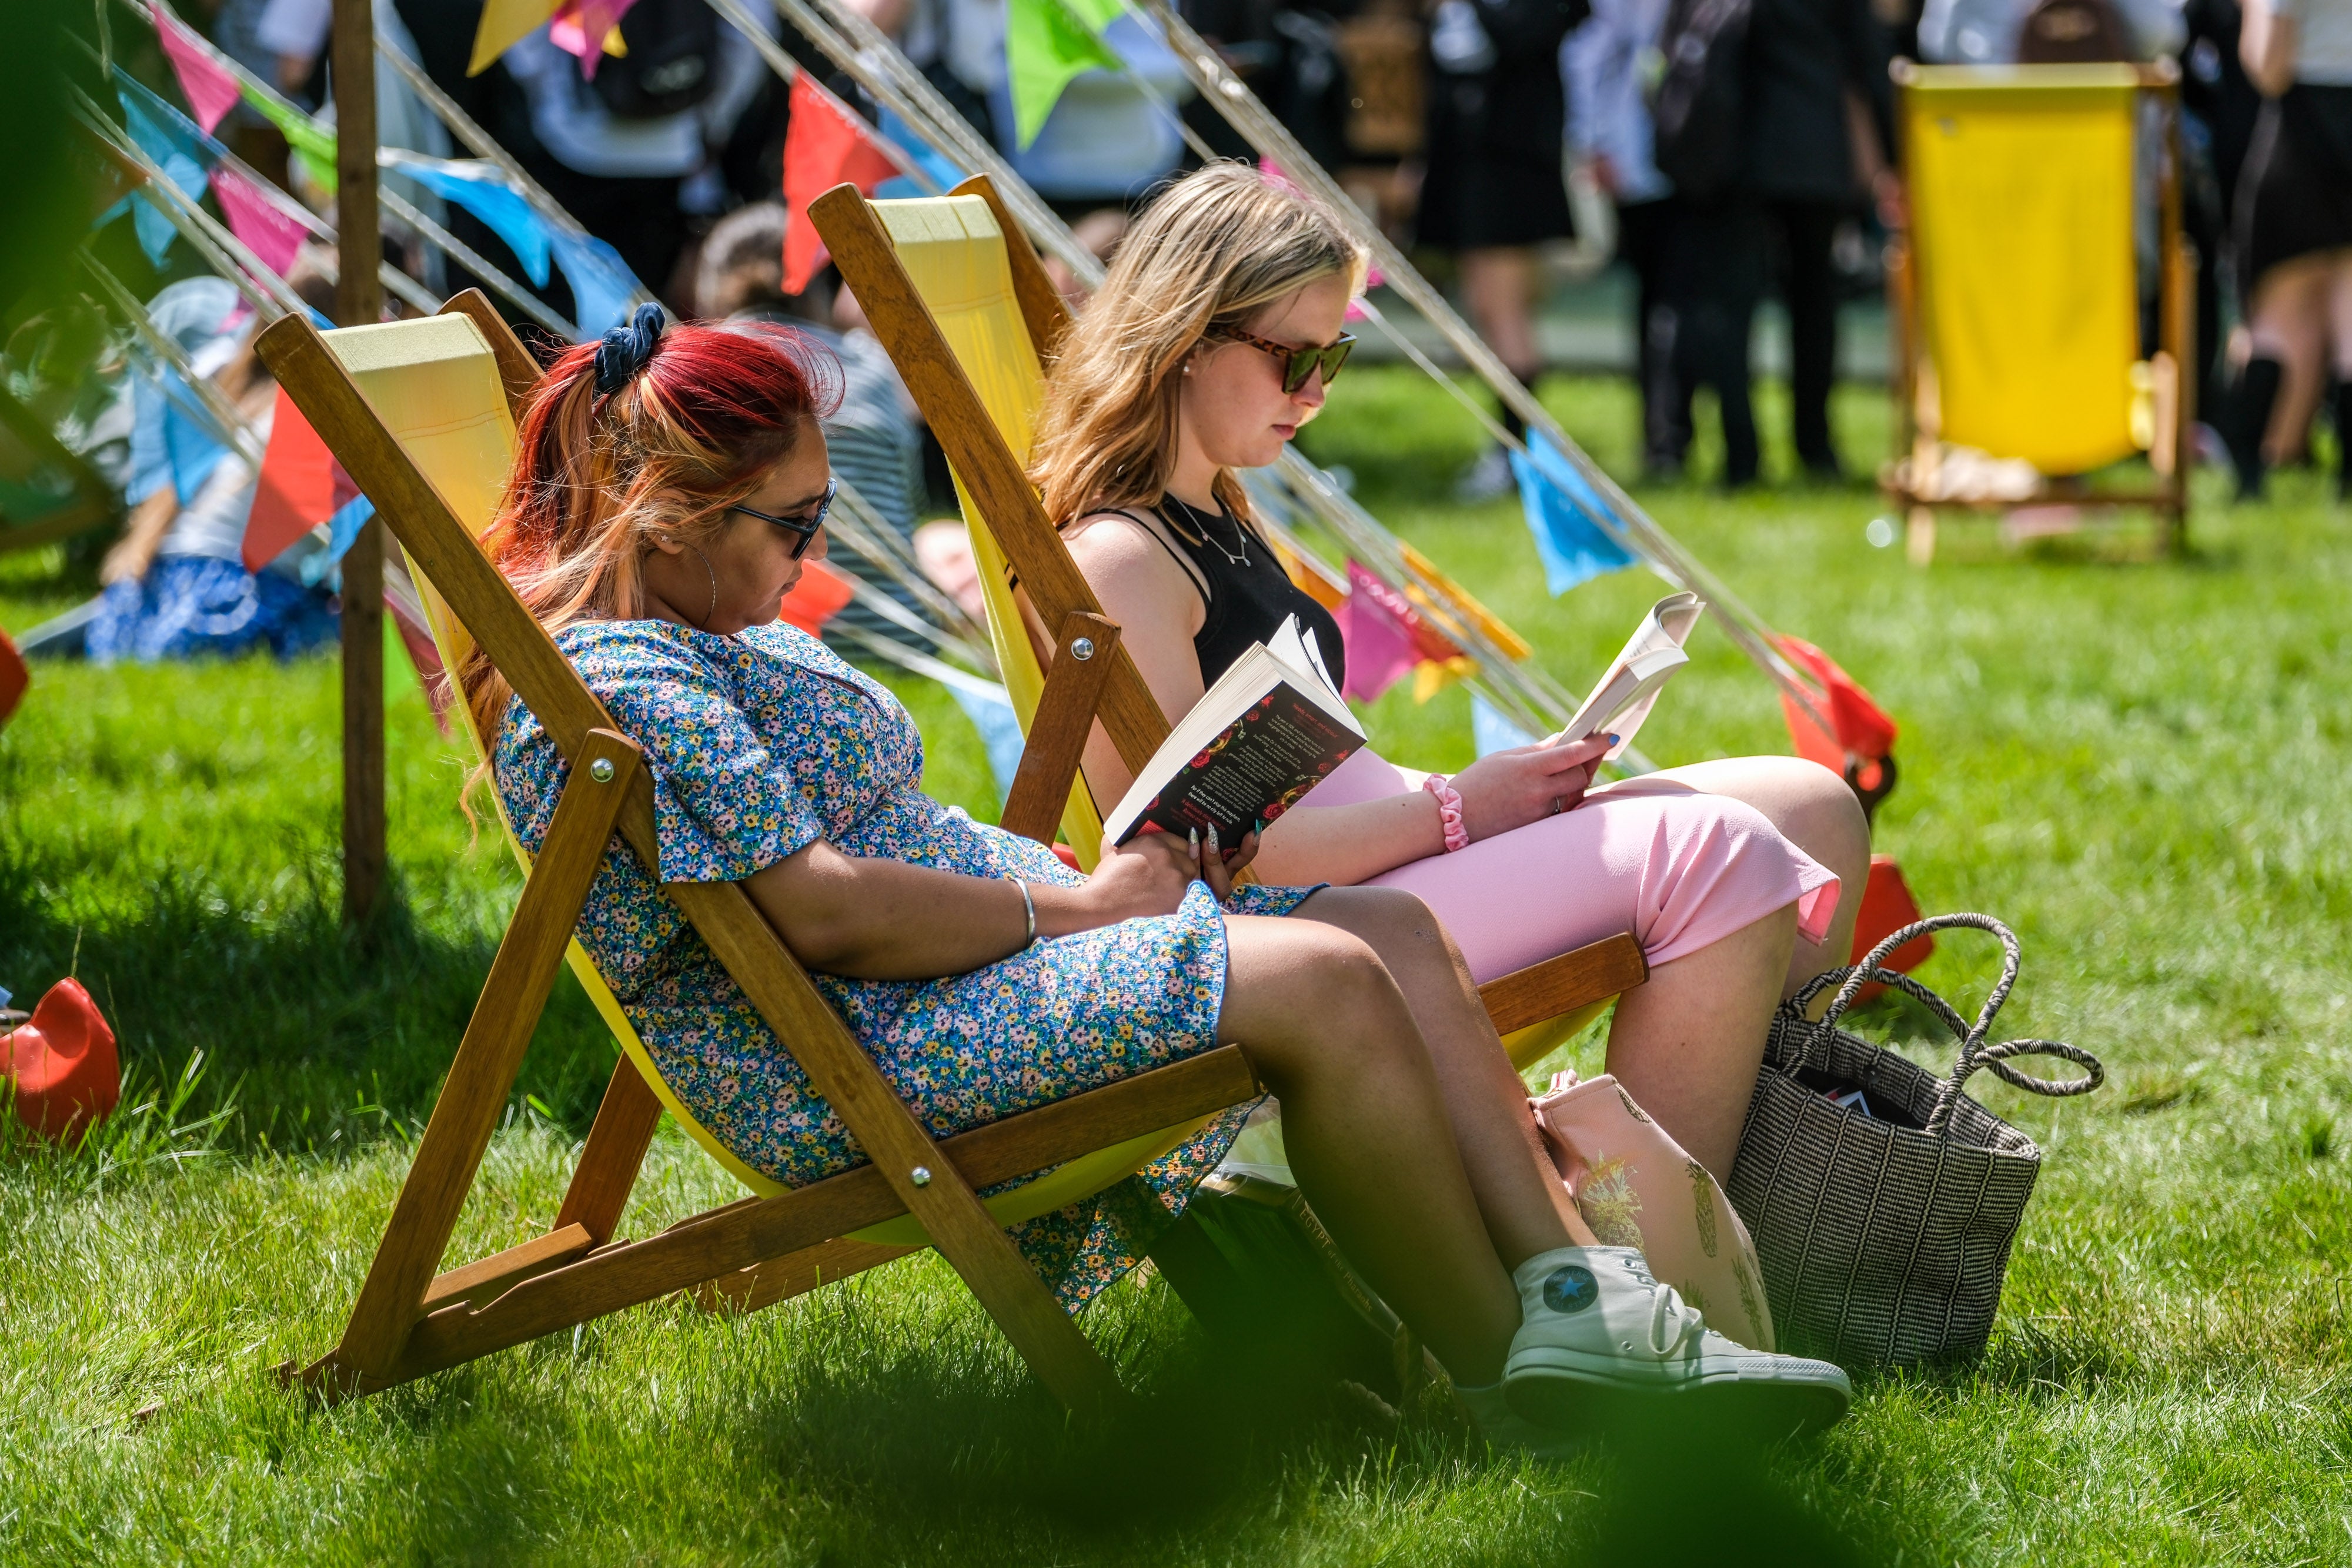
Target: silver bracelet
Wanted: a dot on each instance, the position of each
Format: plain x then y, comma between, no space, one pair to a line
1029,909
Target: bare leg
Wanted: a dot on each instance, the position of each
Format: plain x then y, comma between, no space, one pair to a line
1499,286
2289,324
1326,1028
1527,1207
1687,1044
1813,809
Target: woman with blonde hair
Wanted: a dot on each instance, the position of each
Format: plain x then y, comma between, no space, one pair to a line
669,492
1210,344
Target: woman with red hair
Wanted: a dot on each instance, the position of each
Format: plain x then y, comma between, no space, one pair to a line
669,490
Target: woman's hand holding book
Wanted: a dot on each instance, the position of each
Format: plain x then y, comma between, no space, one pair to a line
1508,790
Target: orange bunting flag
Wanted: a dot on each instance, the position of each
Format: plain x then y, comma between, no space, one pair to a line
300,486
824,145
1865,735
816,598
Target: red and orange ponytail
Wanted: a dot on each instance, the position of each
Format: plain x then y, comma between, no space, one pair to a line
692,419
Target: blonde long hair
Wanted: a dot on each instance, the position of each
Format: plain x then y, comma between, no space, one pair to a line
1217,247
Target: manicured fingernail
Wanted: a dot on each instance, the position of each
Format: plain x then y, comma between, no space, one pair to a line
1192,836
1612,740
1213,848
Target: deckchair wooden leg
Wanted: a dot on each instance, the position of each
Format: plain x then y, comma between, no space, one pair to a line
617,1141
1919,535
1066,717
483,1074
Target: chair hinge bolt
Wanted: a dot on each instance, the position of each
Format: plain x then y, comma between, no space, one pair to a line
1083,649
920,1176
601,770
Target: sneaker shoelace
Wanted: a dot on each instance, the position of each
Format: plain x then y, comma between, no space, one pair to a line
1674,1322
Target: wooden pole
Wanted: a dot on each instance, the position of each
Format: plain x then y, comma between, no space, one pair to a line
359,301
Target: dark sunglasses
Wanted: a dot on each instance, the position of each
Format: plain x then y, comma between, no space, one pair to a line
1298,363
804,526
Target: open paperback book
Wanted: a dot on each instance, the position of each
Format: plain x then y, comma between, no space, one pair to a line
1625,696
1270,730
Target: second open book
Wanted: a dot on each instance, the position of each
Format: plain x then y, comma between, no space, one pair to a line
1274,727
1270,730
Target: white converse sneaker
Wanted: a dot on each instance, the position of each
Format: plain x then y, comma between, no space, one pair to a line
1596,1328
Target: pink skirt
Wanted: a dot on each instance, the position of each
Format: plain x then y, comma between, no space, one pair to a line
1677,869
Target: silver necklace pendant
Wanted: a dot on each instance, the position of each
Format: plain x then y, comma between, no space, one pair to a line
1200,521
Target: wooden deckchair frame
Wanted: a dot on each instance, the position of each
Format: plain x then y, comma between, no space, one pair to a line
1010,508
2174,451
412,1317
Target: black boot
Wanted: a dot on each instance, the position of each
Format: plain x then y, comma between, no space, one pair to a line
2249,414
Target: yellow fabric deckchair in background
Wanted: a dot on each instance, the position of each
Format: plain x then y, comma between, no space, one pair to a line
2021,329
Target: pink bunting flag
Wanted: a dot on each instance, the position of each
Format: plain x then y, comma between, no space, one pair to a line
582,27
1379,643
210,89
268,230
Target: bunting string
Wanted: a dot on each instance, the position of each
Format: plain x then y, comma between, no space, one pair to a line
870,58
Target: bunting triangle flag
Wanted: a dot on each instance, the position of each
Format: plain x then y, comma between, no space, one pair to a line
481,189
313,144
603,289
1377,638
1047,42
1564,513
821,594
174,144
300,486
266,229
936,167
505,24
210,87
578,22
824,145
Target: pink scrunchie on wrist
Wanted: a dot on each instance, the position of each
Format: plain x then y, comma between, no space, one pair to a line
1449,812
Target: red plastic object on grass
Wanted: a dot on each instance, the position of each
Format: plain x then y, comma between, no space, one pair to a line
14,677
63,1063
1887,907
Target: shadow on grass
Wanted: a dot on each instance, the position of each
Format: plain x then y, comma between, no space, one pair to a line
315,1035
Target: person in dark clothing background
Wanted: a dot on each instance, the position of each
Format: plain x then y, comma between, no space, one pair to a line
1495,188
1808,61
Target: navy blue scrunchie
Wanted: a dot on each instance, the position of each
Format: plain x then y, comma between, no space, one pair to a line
625,350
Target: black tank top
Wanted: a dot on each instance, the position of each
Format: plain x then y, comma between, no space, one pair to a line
1247,593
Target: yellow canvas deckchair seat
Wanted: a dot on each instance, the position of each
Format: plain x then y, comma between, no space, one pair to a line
2019,286
977,288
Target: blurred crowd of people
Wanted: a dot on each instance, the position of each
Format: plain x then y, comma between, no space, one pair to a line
1725,150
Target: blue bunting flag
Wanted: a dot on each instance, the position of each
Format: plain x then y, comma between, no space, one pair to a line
1564,513
482,190
1491,732
603,289
999,730
174,143
942,173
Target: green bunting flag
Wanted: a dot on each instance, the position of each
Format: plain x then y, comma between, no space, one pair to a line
1047,42
312,142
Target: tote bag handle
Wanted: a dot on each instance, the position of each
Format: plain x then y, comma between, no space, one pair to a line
1974,1053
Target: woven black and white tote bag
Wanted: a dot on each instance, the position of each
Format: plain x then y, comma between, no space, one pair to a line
1883,1233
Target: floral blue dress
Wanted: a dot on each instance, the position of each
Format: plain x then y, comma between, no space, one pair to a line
760,744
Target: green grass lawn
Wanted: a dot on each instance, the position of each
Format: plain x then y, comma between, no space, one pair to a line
2140,766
